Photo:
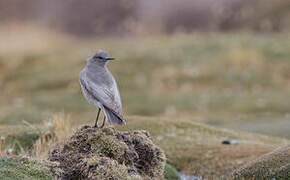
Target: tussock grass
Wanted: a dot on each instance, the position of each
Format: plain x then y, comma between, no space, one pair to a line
36,140
57,130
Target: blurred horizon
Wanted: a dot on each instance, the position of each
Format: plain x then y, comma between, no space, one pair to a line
125,17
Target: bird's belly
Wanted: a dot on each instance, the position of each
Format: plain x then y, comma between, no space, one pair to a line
97,103
90,98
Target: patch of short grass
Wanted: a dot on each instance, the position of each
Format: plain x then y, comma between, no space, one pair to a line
23,168
170,173
274,165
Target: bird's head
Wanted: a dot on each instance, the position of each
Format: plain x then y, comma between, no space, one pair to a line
100,57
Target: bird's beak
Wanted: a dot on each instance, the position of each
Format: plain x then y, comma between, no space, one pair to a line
109,58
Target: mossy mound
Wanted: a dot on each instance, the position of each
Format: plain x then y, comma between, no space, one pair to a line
25,168
274,165
106,153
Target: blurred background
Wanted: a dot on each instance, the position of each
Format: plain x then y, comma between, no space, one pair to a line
107,18
225,63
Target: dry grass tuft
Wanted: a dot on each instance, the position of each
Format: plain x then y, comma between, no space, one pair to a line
36,140
58,129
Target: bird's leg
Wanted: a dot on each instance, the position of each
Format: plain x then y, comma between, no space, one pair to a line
97,118
104,121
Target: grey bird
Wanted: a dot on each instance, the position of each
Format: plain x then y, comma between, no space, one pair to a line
100,89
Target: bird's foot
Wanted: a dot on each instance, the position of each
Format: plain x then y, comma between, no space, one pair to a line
99,127
102,126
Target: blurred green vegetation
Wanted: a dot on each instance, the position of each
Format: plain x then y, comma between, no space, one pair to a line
170,173
238,81
23,168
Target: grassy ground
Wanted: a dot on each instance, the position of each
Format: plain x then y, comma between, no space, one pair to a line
191,147
23,168
274,165
196,149
237,81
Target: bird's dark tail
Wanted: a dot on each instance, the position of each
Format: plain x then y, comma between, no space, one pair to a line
112,118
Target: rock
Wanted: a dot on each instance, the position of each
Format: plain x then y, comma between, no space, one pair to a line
229,142
106,153
274,165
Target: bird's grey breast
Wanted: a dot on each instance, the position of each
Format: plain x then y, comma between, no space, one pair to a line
104,88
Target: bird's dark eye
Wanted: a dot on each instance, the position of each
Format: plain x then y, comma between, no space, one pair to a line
98,57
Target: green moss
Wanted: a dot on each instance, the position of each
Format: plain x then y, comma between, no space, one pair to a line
23,168
93,153
274,165
110,147
106,168
170,173
151,159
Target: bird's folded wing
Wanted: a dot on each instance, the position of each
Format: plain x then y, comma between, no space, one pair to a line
105,96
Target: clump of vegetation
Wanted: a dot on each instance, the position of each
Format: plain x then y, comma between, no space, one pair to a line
109,154
25,168
274,165
170,173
